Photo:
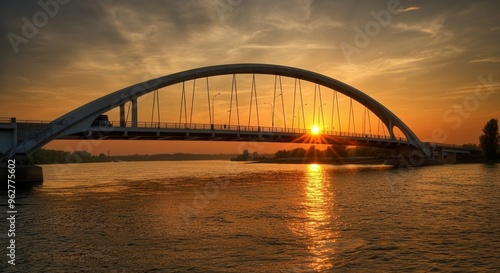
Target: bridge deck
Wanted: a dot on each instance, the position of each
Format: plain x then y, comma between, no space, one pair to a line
219,132
222,132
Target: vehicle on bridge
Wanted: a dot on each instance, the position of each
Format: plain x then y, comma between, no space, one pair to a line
102,121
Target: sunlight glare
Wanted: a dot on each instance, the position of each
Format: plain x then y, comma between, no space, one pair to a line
315,130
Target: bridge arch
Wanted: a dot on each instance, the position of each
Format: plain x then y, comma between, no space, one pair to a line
82,117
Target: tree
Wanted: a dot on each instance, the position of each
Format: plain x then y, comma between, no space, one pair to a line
336,151
489,139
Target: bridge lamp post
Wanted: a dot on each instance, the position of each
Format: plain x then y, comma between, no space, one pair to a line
298,114
213,107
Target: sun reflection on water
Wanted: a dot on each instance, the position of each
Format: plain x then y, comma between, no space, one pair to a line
317,226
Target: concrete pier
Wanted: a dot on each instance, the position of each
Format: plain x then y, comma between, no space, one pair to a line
25,175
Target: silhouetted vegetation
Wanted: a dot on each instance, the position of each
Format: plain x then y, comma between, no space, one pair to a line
246,156
334,151
43,156
470,146
489,140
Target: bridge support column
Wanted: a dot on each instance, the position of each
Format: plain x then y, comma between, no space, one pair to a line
134,113
440,155
122,116
451,158
8,135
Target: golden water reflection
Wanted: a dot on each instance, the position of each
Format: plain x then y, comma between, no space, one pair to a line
318,225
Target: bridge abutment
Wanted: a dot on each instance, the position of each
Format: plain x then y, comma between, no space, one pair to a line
19,173
24,175
8,135
15,167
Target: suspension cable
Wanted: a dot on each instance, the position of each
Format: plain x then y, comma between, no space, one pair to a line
237,104
350,111
338,111
274,101
293,108
192,104
369,122
153,111
302,105
256,101
314,105
321,107
251,104
282,103
128,112
183,105
208,99
158,105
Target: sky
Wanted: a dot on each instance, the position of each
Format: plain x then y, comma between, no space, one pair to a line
435,64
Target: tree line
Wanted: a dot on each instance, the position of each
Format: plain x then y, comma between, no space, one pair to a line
488,142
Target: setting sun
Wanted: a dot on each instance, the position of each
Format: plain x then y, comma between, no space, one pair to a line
315,130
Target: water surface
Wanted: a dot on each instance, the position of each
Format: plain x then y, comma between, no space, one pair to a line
217,216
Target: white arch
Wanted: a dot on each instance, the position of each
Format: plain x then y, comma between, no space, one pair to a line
82,117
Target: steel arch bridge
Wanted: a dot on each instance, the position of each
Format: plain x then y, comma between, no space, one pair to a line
79,123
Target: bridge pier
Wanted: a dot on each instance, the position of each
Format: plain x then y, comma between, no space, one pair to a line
15,166
451,158
24,176
440,155
444,158
8,135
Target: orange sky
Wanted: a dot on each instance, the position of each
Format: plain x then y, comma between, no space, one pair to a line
434,64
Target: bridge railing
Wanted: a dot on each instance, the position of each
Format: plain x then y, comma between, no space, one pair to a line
232,127
245,128
5,120
461,147
10,120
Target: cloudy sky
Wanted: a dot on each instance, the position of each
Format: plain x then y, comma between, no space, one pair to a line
435,64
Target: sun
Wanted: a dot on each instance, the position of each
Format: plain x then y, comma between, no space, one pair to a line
315,130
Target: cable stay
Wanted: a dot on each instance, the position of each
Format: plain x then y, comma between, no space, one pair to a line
234,90
208,99
183,106
334,99
369,121
274,101
156,102
282,103
128,112
192,104
321,108
302,106
363,122
293,107
253,92
351,114
314,105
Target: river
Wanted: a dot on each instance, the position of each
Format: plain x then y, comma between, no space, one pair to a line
218,216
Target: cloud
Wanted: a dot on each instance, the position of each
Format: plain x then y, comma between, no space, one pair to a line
487,60
412,8
433,27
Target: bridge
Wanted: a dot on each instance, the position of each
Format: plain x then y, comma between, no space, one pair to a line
295,99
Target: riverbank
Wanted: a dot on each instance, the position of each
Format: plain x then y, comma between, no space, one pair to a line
336,161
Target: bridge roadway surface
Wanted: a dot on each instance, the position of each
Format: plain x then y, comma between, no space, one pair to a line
221,132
